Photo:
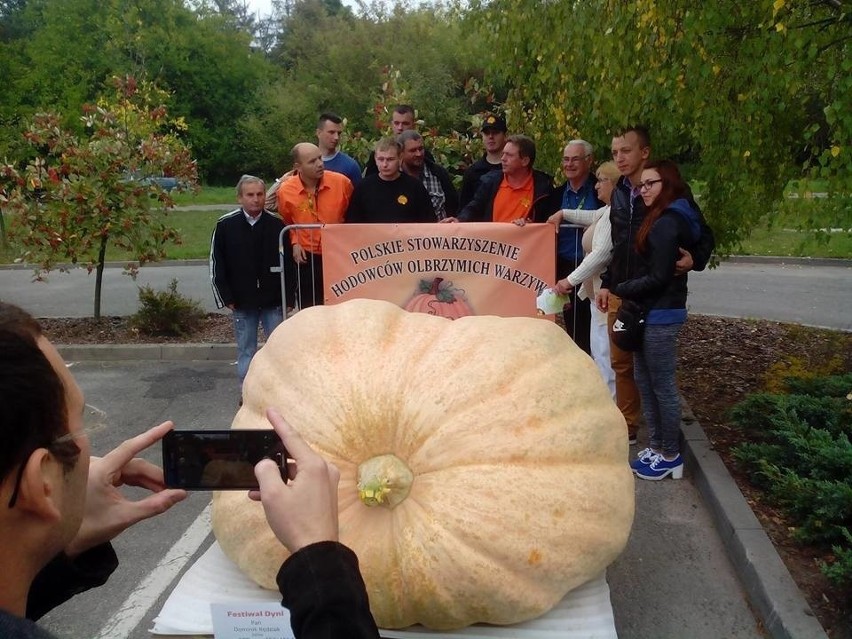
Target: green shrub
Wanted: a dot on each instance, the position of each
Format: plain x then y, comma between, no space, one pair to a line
167,313
801,456
840,570
834,386
767,415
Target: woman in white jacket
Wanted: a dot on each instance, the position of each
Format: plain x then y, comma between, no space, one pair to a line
597,243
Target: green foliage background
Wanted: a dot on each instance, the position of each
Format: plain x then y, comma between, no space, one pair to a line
746,95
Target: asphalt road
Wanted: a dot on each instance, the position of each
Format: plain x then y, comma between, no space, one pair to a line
673,580
815,295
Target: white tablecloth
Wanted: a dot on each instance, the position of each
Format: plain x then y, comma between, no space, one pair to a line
585,612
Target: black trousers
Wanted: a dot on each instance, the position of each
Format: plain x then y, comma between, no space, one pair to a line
309,282
577,313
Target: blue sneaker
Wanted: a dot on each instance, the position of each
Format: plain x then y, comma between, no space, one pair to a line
660,468
643,458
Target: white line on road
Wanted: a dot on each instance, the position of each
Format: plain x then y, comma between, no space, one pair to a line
137,605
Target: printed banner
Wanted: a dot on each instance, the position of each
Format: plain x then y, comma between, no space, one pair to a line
450,270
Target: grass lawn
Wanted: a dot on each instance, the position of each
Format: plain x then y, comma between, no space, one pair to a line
791,243
804,227
208,195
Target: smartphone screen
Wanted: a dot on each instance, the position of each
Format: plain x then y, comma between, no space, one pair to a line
219,459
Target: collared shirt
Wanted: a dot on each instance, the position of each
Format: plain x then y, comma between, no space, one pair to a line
326,205
511,202
435,191
251,220
569,245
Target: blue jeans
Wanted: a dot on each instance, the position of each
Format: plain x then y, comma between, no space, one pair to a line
245,332
655,371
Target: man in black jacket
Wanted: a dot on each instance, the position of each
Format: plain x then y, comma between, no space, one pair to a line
519,192
493,140
630,150
244,262
435,178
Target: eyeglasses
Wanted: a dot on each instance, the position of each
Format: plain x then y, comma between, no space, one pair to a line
602,179
574,159
94,420
647,184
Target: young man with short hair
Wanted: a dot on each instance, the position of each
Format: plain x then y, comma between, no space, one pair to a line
389,196
329,130
493,139
631,148
403,119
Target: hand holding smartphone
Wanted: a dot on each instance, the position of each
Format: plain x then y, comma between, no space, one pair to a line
219,459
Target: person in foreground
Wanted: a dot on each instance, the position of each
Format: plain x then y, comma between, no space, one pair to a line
59,507
670,223
320,582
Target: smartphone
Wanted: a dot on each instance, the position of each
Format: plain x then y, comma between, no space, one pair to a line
219,459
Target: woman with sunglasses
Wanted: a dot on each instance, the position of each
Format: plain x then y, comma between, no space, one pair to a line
670,223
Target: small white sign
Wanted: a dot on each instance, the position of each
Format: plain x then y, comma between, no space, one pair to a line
251,621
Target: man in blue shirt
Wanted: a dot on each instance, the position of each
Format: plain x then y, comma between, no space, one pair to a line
578,192
329,129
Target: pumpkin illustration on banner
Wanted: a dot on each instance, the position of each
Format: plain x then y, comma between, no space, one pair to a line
439,297
473,486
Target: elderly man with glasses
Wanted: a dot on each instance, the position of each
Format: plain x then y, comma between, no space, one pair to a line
578,192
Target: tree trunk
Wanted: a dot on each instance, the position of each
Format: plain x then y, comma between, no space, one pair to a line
99,275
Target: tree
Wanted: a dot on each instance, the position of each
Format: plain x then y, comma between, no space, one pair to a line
333,60
57,54
78,194
749,95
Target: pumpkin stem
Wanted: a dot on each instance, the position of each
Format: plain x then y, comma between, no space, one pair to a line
436,285
384,481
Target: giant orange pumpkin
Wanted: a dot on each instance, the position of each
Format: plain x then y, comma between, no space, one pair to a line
483,464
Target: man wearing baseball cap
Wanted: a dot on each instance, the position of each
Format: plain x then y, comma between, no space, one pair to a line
493,138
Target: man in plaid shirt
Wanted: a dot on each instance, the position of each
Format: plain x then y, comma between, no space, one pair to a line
436,179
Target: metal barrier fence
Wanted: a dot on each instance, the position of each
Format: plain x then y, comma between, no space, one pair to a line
291,274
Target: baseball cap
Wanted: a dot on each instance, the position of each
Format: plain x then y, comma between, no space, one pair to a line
494,123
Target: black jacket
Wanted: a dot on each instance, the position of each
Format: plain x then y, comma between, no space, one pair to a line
241,258
451,197
626,214
57,582
481,207
655,285
472,177
323,589
63,578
